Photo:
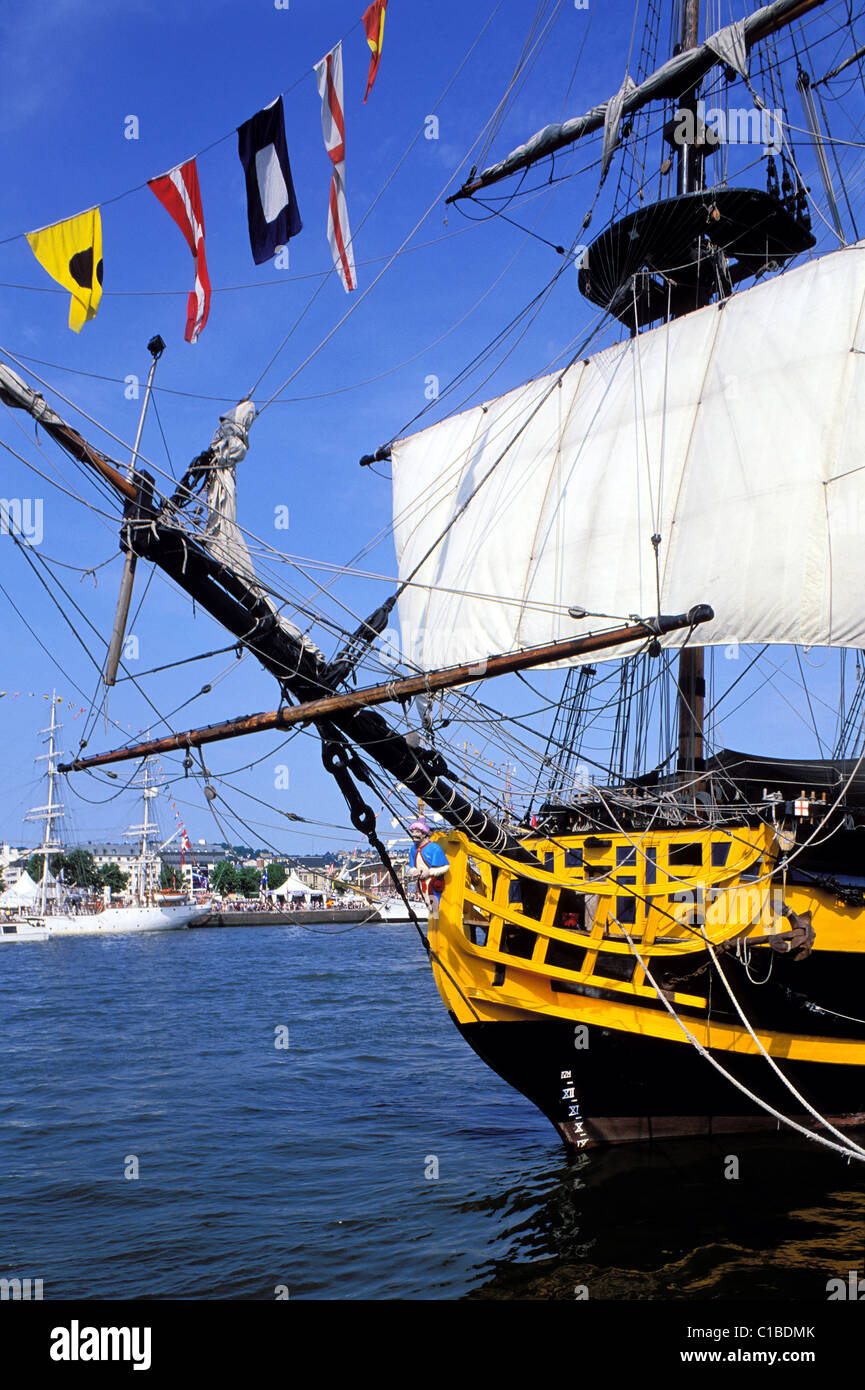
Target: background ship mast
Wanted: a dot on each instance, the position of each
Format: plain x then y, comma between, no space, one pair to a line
143,881
52,810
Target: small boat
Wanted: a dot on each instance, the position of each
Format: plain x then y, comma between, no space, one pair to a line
395,910
18,930
389,908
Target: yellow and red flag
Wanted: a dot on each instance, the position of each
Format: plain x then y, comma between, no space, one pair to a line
373,23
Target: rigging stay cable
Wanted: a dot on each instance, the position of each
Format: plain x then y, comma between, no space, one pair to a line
530,44
786,1080
162,719
403,246
270,549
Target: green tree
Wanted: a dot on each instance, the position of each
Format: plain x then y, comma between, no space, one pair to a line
276,875
249,882
170,877
35,862
81,870
224,878
112,876
34,866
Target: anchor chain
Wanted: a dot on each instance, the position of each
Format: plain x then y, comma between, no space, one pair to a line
341,762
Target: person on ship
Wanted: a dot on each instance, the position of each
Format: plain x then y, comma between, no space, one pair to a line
428,865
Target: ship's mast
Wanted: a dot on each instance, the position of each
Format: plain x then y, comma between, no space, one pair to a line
143,875
52,810
689,171
692,679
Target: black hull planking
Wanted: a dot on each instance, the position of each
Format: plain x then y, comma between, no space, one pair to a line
603,1086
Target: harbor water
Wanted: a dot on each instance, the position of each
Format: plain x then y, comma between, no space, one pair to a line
289,1111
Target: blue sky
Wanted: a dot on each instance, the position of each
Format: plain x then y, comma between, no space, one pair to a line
73,74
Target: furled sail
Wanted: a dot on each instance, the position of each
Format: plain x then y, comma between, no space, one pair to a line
732,434
223,536
674,77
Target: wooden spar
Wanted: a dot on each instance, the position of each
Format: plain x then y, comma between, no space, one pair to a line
677,75
402,689
72,442
767,24
156,347
15,392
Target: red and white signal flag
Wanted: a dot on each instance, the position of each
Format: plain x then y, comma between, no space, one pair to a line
179,194
328,74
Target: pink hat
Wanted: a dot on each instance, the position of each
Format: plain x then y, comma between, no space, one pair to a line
419,824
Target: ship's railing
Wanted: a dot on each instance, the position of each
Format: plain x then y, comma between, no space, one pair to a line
566,922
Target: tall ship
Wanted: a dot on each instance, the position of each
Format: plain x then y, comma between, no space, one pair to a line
668,941
60,910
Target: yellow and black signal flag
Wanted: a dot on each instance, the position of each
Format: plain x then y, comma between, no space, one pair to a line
71,252
373,23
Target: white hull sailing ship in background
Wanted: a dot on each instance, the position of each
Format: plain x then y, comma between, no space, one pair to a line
59,911
139,917
675,945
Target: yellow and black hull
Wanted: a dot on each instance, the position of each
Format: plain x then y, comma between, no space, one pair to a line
633,987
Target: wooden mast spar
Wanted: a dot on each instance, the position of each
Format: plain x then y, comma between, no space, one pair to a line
446,679
677,75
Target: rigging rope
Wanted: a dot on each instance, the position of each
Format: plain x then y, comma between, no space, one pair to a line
848,1149
772,1063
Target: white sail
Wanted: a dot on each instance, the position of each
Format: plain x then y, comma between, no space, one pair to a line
734,433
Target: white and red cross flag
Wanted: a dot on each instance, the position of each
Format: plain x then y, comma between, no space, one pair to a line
179,194
328,74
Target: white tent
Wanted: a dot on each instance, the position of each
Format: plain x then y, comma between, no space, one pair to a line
24,892
291,888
